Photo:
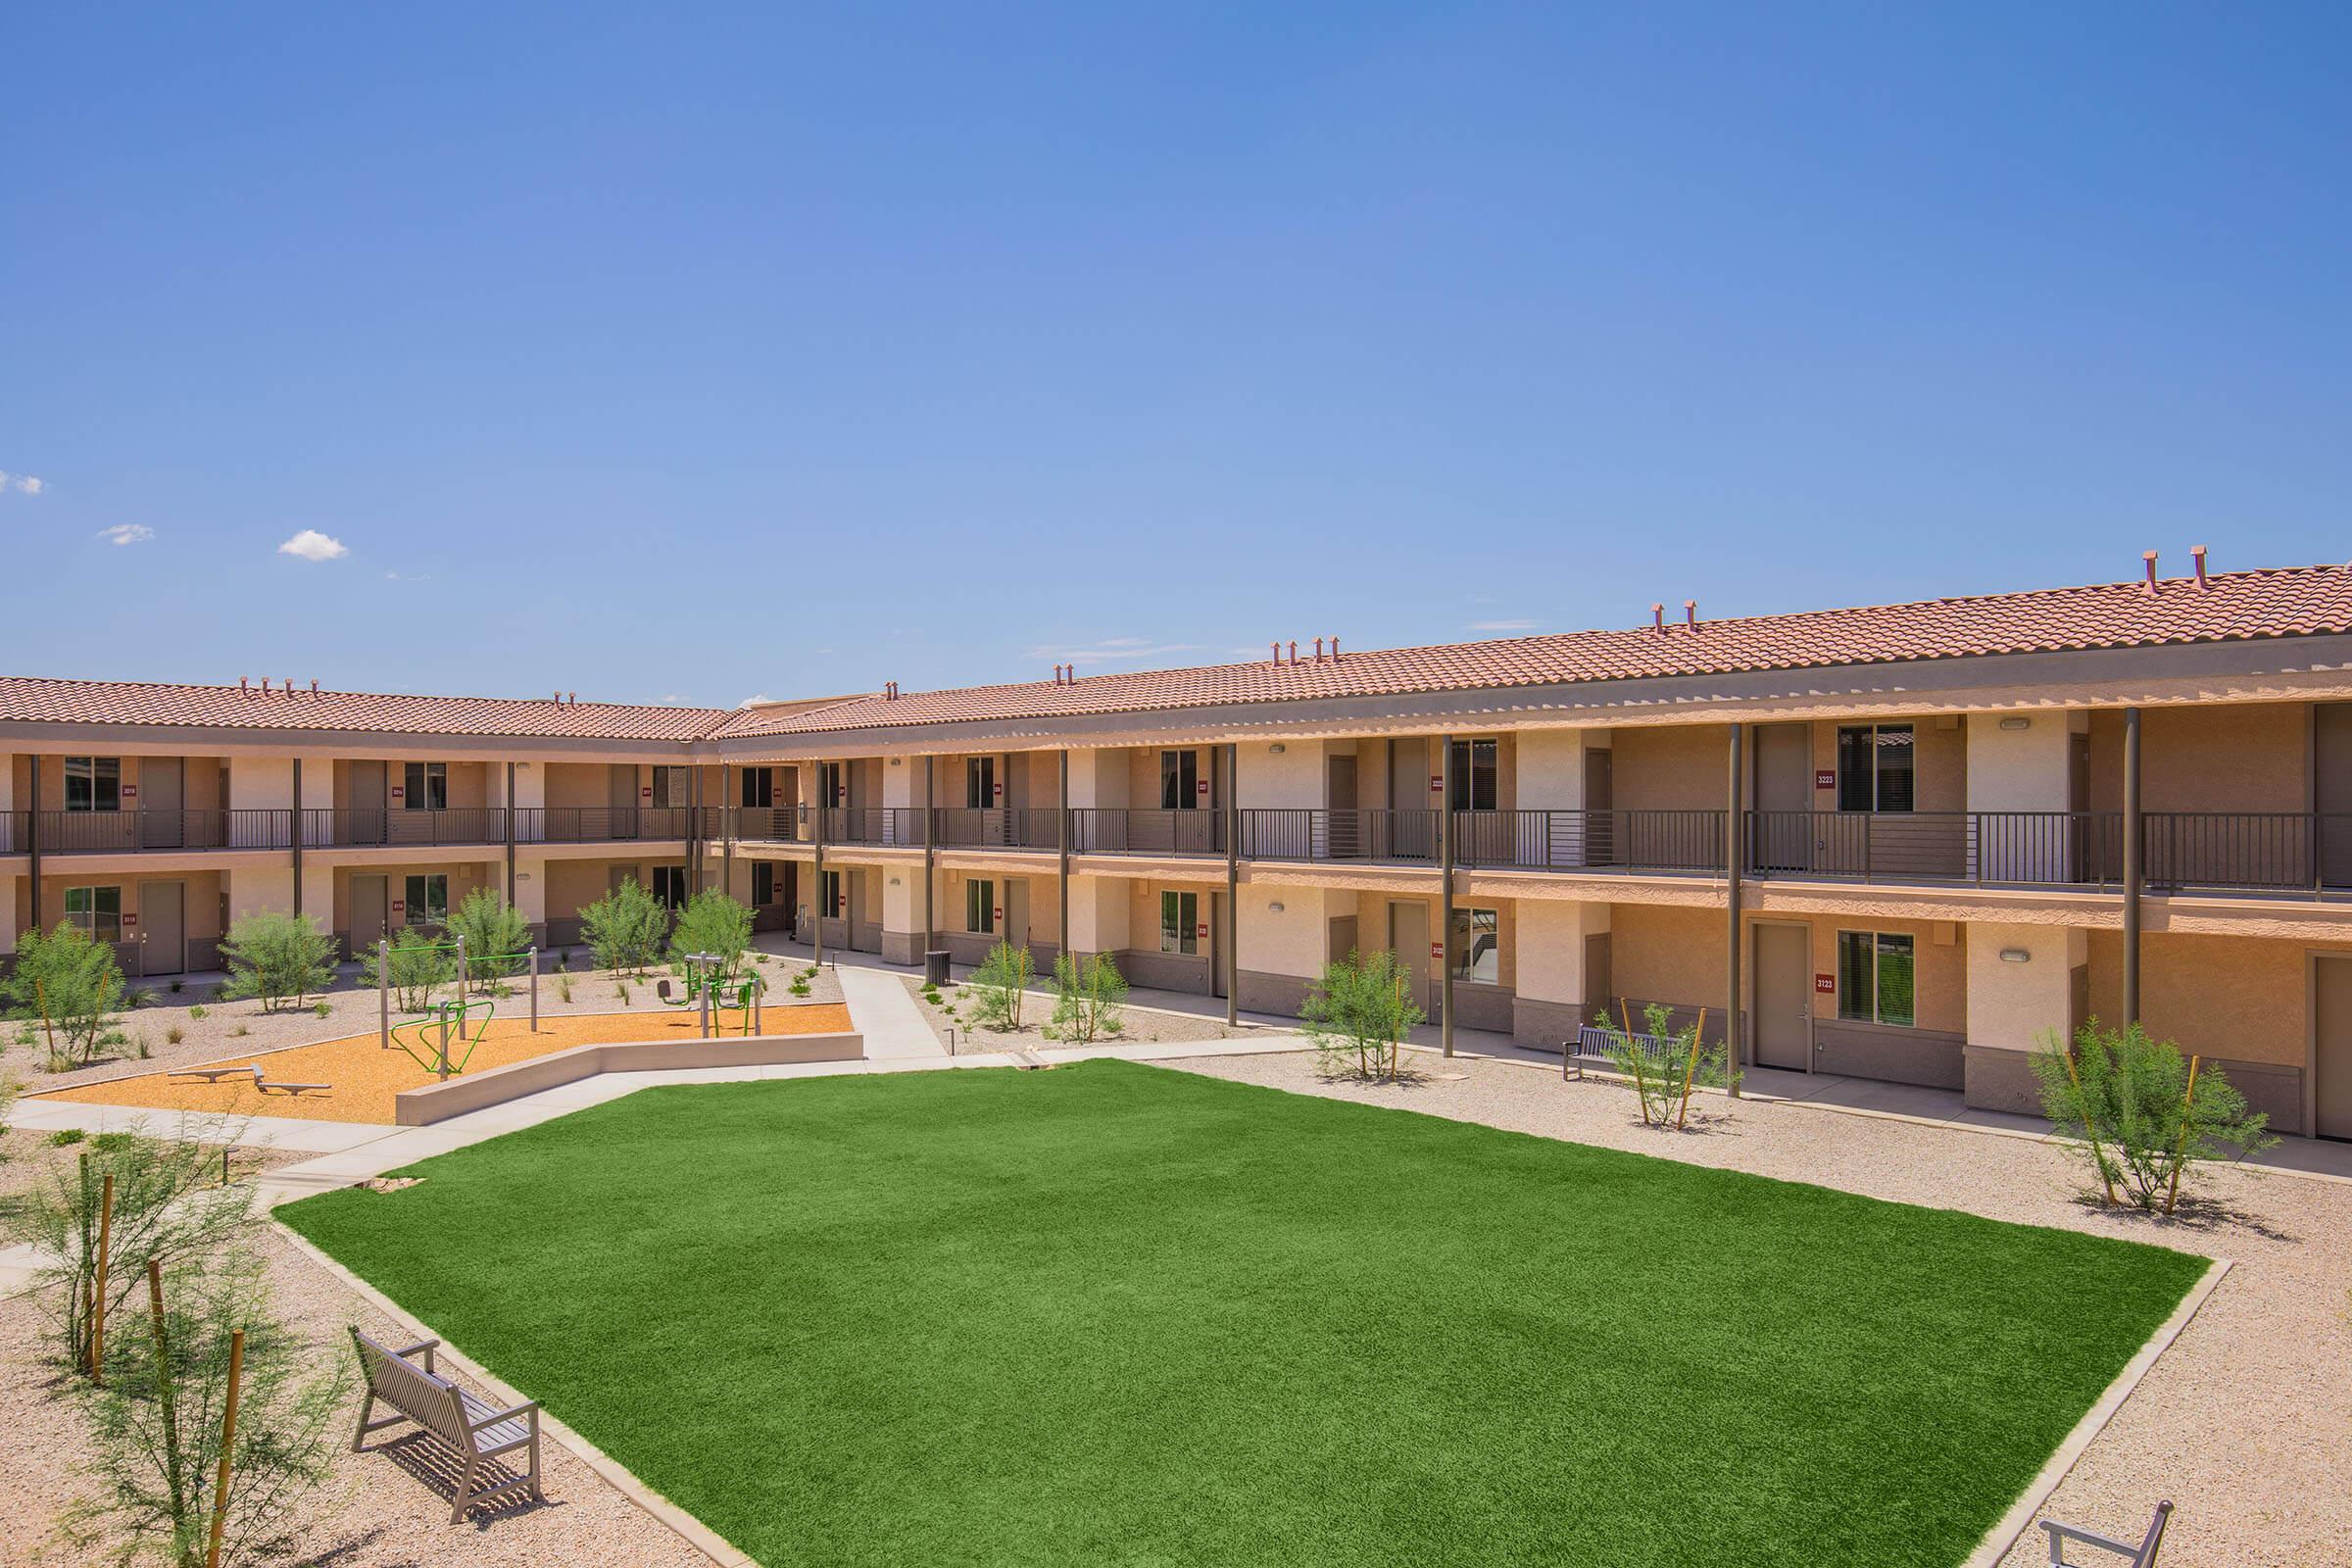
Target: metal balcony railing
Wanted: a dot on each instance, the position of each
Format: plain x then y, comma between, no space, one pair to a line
1109,830
598,824
1318,833
1682,842
900,825
133,831
324,828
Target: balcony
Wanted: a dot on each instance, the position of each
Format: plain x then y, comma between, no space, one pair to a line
596,824
16,832
136,831
901,826
1105,831
986,827
1647,843
371,827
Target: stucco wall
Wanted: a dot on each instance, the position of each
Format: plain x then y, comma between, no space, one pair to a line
1674,768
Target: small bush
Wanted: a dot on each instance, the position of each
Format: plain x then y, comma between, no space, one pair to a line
278,958
2143,1117
563,984
1359,1013
416,964
178,986
1087,997
63,991
1003,983
626,928
712,923
1663,1063
64,1135
239,1032
197,1012
325,1010
174,1035
800,988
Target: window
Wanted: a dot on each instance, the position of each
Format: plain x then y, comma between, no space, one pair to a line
758,787
669,885
426,787
835,904
1477,945
1873,767
427,901
97,910
1874,978
1179,918
763,882
980,905
1474,776
1180,783
980,781
671,786
93,783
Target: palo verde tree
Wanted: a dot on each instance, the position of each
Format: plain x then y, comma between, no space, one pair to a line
1358,1012
1000,986
63,991
495,935
2140,1114
278,958
1088,994
713,922
626,928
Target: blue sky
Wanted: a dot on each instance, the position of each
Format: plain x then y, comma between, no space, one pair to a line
692,355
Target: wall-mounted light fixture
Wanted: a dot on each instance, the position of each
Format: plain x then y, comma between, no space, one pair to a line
2017,721
893,881
1274,908
896,761
2015,956
1275,748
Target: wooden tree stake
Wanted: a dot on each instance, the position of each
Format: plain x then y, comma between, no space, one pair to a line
40,994
106,1233
228,1441
167,1387
1698,1038
2180,1146
2091,1130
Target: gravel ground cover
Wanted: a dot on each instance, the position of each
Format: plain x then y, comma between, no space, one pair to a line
2246,1422
1338,1333
1138,1025
227,1029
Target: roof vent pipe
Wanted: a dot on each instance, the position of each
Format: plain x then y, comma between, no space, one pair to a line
1657,618
2149,557
1293,650
1691,614
245,684
1318,650
1335,646
313,686
572,697
1277,647
2196,553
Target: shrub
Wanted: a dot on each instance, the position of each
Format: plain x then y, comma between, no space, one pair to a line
165,1206
278,959
174,1035
713,922
1361,1008
1087,997
417,965
495,934
624,928
197,1012
2143,1117
155,1428
563,984
800,988
66,1135
1663,1063
65,989
1002,983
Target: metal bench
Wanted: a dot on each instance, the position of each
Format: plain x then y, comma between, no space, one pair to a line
2142,1554
1590,1049
281,1086
213,1075
471,1429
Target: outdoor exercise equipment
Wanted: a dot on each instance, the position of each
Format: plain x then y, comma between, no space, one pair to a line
707,987
426,1039
440,1020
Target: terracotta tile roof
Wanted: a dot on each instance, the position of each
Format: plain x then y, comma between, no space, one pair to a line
2282,602
31,700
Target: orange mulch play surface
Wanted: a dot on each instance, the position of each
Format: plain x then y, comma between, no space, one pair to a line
365,1077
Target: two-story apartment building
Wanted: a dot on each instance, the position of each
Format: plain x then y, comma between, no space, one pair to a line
1905,840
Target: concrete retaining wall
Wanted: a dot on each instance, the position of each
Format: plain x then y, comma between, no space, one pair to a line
421,1107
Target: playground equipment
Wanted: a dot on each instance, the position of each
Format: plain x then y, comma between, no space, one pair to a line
709,987
441,1019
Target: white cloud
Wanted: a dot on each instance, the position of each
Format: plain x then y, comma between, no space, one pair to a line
30,485
311,545
25,483
400,577
1504,625
754,699
127,533
1111,651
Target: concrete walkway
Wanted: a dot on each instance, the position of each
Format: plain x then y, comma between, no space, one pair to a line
885,1014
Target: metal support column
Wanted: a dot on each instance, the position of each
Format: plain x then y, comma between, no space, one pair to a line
509,835
32,841
1445,943
930,856
726,828
1734,1058
1061,844
694,830
1233,884
297,824
817,895
2134,865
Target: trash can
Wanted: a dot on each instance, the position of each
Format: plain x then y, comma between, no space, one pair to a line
935,969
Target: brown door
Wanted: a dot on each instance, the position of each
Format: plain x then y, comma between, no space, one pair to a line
1783,1002
162,783
1600,820
163,928
1347,826
621,800
1783,828
366,822
1412,830
370,911
1342,938
2332,793
1409,938
2332,1107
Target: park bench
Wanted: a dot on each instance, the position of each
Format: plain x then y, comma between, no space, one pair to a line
471,1429
2141,1554
1590,1049
286,1087
213,1075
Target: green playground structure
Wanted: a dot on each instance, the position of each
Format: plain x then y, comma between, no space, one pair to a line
427,1037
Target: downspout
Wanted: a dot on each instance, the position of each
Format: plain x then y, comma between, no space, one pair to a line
1733,854
2134,865
1444,894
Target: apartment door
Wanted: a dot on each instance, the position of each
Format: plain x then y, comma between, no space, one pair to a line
1782,840
1212,944
371,909
370,799
1412,826
1016,912
1409,938
1342,949
2331,1049
1346,827
164,928
2331,797
161,797
1600,820
1784,1000
621,800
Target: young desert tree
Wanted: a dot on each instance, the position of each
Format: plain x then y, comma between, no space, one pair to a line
1001,984
65,989
713,922
624,929
1358,1012
1087,997
2142,1115
156,1426
1663,1063
278,959
411,967
495,935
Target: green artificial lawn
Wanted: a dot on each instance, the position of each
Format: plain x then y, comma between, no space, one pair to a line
1120,1314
